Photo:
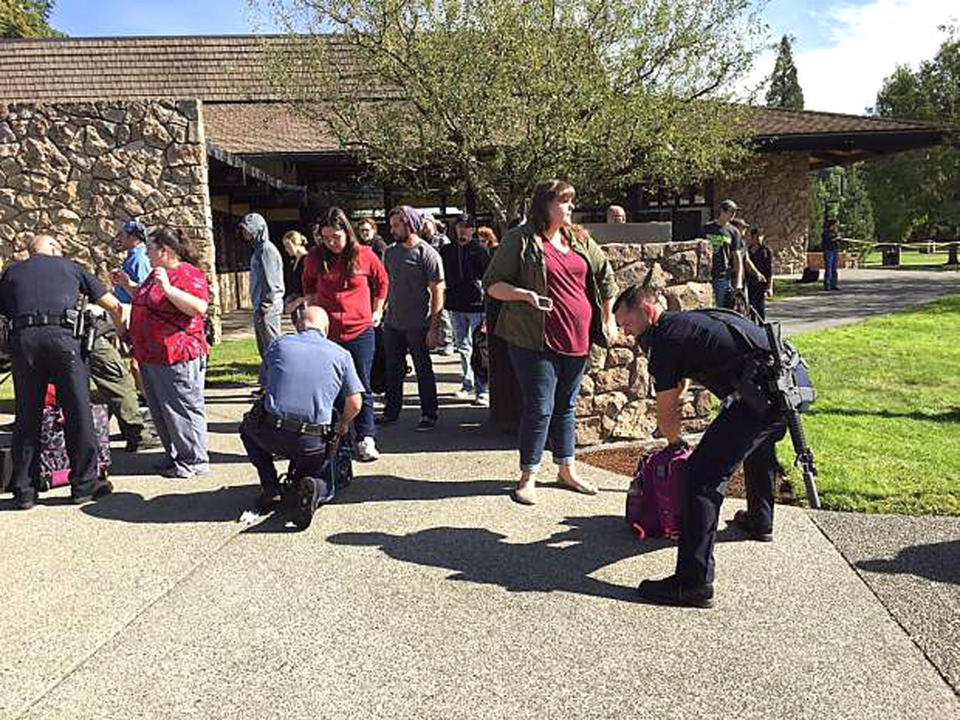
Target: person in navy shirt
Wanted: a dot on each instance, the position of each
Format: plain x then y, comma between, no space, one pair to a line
306,376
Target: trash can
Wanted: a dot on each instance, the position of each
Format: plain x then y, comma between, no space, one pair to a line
890,255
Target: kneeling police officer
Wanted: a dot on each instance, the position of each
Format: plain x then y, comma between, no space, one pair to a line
307,377
39,298
719,350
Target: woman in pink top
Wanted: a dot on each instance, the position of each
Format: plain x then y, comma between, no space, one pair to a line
347,280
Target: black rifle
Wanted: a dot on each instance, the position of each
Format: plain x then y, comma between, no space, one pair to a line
790,397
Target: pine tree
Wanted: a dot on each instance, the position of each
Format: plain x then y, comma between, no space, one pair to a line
785,91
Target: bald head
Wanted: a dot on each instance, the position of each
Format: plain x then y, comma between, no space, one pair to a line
316,318
616,214
43,244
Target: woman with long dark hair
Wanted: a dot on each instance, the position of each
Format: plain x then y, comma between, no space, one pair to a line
347,280
556,289
169,343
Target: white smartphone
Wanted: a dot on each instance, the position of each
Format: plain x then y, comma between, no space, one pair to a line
544,303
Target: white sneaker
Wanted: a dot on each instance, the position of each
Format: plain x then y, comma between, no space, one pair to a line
367,450
463,394
483,400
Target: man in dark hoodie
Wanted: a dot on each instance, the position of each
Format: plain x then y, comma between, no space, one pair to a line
464,263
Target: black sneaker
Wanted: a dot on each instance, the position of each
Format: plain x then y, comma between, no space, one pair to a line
100,489
386,419
267,502
426,424
144,442
25,501
306,496
749,527
669,591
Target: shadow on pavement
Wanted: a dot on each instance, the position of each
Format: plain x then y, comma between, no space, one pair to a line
220,505
142,463
389,488
562,562
936,561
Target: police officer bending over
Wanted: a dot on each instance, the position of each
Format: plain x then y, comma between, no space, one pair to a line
704,345
306,377
39,297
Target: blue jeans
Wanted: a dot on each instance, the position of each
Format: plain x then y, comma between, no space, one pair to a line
550,383
463,326
396,343
830,260
361,349
721,288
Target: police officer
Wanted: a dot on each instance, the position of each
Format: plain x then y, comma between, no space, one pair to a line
35,296
306,376
702,346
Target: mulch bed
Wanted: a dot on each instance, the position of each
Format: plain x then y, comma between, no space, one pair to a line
623,460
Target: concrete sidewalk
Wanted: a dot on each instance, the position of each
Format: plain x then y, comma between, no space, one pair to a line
423,592
862,294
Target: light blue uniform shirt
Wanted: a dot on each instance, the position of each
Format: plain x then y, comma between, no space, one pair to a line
137,266
306,374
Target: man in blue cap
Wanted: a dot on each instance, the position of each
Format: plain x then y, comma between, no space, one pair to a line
136,265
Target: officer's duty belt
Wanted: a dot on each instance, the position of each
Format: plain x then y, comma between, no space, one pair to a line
301,428
21,322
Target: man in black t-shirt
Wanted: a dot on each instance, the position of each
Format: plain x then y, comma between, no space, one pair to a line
728,250
34,296
701,345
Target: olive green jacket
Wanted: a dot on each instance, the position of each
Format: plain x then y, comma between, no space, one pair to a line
519,262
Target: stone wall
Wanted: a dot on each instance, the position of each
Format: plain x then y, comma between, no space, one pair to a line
774,194
79,170
617,399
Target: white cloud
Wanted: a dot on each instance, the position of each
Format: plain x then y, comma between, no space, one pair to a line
864,44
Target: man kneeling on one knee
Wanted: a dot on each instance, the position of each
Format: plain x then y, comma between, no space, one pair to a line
705,346
307,376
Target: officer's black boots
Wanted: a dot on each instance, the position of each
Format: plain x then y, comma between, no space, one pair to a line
100,489
669,591
750,527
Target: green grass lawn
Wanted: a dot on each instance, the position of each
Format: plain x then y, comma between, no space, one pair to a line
233,362
886,426
908,258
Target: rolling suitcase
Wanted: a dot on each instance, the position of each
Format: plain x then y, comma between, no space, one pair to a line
54,462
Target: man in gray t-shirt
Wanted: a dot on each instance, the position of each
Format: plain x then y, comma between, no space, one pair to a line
413,318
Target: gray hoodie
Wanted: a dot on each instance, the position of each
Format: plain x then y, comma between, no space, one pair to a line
266,268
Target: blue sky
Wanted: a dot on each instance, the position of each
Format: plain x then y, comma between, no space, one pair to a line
844,50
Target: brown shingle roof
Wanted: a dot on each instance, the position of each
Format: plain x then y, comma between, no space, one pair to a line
232,69
212,68
265,128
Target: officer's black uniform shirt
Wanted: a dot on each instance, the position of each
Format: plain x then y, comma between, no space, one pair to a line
697,346
45,284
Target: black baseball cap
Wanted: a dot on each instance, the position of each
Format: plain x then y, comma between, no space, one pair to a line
728,205
465,219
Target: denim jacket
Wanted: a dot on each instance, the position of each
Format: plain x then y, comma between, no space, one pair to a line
519,261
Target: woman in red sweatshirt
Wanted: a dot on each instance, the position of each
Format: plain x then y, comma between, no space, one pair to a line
347,280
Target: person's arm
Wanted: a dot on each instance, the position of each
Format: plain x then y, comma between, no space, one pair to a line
381,285
753,269
436,314
668,413
351,408
502,273
272,278
183,301
108,301
737,261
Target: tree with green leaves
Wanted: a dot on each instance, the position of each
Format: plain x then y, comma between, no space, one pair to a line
487,98
26,18
785,90
920,188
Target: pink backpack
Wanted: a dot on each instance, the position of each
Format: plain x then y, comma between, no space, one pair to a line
656,494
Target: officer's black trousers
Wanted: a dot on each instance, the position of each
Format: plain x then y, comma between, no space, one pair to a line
737,434
40,356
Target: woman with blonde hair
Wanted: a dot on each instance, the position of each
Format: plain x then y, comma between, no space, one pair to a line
557,290
295,244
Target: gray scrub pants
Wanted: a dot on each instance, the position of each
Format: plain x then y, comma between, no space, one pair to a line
175,396
266,327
